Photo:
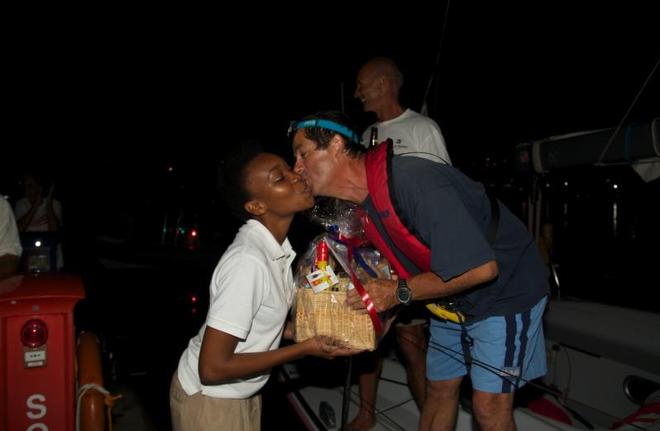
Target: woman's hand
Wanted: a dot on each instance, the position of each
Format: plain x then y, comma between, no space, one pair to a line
328,347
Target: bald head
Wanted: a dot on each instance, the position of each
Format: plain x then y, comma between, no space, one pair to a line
377,86
383,67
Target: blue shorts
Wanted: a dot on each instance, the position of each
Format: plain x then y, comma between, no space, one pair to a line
501,347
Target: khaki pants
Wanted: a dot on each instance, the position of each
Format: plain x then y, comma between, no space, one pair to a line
199,412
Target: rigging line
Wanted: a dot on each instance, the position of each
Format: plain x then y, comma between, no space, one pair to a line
561,397
355,399
439,347
502,373
424,109
397,405
625,116
393,381
488,367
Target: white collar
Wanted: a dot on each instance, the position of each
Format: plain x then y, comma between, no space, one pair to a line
273,249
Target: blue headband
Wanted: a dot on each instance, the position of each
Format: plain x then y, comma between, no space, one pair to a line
325,124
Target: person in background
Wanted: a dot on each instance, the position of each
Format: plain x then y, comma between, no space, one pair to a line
38,211
217,382
378,87
452,243
10,244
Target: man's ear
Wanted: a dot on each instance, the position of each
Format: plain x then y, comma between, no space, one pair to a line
336,145
381,81
255,207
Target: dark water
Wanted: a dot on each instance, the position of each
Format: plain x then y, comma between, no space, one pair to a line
605,231
606,235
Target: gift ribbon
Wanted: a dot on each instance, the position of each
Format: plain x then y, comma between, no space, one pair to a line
351,244
371,308
360,261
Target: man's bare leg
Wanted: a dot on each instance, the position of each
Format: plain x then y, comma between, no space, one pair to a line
412,343
493,411
368,385
441,405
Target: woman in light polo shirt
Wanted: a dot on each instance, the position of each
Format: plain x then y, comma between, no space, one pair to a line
221,371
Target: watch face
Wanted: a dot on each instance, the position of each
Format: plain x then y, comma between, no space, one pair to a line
403,293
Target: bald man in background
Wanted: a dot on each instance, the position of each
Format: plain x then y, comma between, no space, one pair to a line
379,83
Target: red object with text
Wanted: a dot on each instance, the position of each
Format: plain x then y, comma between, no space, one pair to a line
37,351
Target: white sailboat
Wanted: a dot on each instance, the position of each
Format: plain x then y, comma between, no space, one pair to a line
603,360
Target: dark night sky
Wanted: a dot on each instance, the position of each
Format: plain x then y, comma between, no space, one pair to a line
104,105
136,95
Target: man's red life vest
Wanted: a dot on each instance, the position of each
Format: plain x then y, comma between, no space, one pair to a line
378,163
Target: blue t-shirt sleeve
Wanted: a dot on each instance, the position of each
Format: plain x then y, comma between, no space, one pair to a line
456,241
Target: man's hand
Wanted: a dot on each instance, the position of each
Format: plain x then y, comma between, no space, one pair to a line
381,291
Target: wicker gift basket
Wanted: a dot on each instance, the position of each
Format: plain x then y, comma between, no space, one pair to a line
323,278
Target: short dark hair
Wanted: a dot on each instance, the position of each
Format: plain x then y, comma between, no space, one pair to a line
232,176
322,137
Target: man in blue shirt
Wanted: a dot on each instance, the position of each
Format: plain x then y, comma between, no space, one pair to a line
449,242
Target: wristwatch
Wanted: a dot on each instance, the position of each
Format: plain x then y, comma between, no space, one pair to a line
403,292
